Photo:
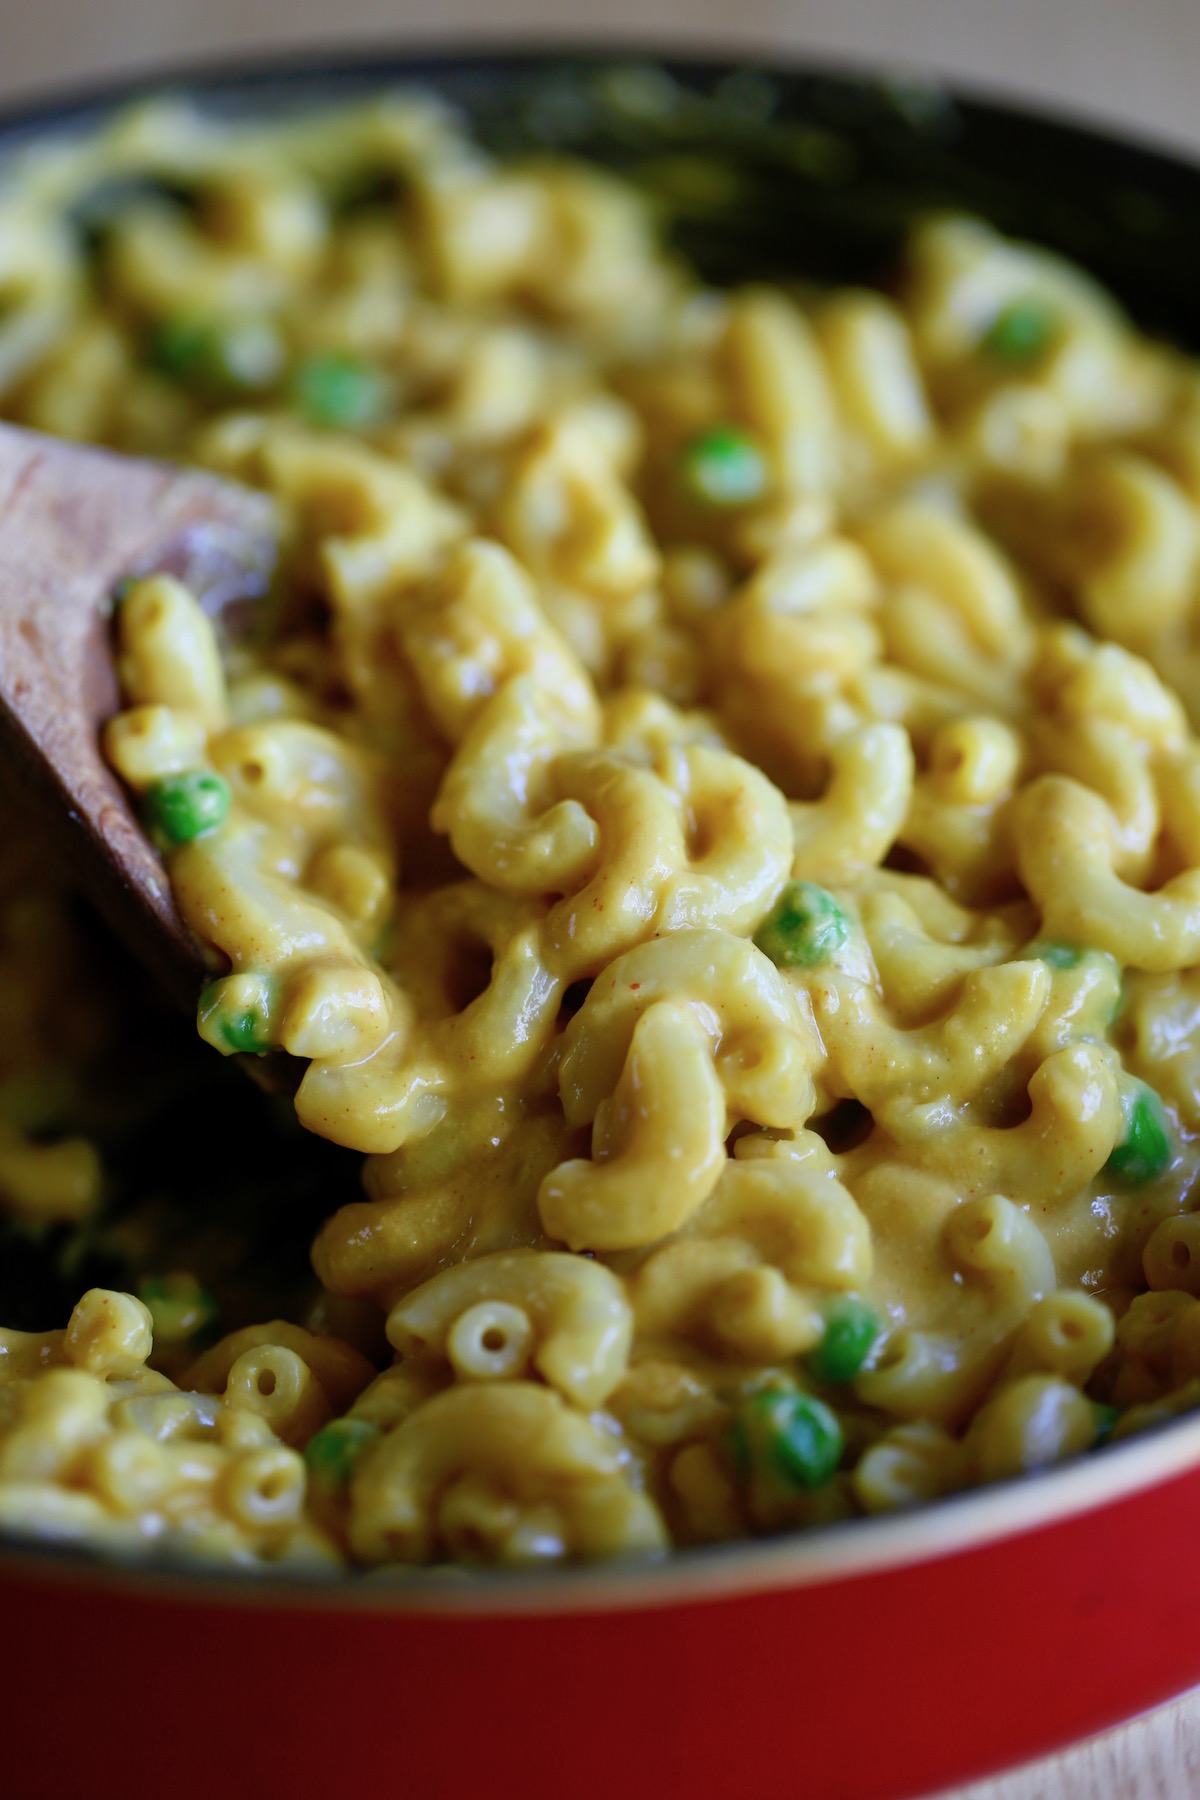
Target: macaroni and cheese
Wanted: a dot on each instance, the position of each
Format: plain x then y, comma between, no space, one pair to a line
713,808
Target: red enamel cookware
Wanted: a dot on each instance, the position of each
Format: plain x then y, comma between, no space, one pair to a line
867,1661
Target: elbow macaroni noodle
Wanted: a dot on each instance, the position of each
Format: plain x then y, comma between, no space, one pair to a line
715,806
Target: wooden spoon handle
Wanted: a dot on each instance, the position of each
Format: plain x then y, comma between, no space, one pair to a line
73,522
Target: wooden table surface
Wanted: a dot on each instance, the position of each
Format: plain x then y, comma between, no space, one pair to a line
1129,63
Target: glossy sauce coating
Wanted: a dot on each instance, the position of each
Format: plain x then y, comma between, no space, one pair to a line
717,812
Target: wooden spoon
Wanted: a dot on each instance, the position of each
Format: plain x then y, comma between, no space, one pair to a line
73,522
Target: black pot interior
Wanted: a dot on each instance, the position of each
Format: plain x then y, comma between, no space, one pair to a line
774,172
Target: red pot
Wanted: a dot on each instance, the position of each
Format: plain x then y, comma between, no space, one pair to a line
869,1661
862,1662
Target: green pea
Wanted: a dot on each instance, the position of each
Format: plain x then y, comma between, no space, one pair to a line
1059,956
1020,332
851,1327
241,1032
180,1307
332,1452
723,467
1145,1149
234,1014
805,926
1106,1418
182,807
222,356
339,390
793,1437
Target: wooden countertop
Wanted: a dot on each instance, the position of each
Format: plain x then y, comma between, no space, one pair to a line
1130,64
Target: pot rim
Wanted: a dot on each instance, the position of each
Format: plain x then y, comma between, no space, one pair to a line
383,61
850,1549
965,1521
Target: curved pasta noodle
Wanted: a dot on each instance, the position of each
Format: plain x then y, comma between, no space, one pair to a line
582,1325
930,1375
908,1465
341,1370
474,627
379,524
914,545
658,1143
750,1264
378,1101
236,896
787,649
861,813
426,1208
1035,1420
308,781
656,1012
994,1242
1143,580
167,652
876,381
568,516
776,374
526,1456
1105,757
1065,1333
958,819
488,803
1066,853
762,1038
701,839
953,1058
922,961
1073,1124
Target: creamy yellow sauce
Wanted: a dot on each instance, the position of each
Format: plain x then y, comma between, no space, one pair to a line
716,814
